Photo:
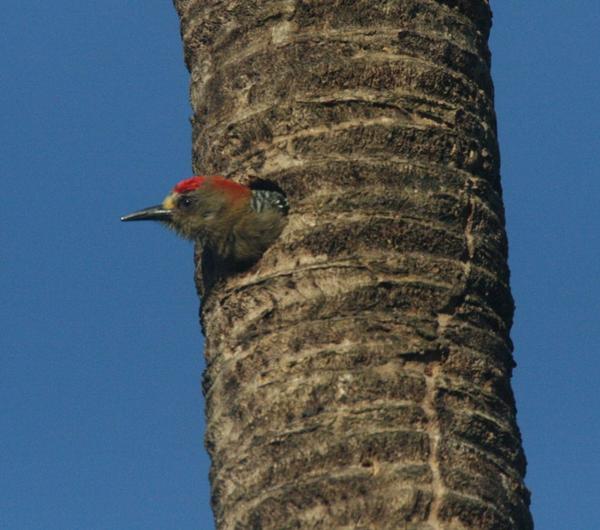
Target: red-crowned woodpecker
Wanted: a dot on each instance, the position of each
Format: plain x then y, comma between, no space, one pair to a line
235,222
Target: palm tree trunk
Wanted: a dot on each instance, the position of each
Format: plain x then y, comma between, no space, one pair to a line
359,376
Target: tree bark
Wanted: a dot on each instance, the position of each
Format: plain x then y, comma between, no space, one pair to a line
358,376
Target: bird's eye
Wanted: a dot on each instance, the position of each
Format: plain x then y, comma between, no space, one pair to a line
185,202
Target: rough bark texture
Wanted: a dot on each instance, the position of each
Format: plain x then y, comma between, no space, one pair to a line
359,376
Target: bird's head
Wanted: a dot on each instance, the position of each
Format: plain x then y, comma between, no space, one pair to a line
195,204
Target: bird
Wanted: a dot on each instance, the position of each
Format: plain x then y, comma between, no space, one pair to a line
233,223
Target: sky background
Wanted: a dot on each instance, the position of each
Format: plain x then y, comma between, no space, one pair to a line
101,411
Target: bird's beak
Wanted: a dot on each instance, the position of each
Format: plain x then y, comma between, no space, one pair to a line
153,213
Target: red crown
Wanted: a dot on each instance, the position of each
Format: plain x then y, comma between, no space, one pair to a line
234,190
190,184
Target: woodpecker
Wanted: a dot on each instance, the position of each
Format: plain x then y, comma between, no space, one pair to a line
234,222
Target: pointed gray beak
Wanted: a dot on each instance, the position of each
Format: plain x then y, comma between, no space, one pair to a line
153,213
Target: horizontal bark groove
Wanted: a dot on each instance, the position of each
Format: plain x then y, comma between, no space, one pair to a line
330,389
400,175
394,507
473,427
478,463
211,27
278,125
354,451
472,511
363,65
336,330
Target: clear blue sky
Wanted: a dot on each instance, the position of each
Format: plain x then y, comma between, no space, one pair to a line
101,412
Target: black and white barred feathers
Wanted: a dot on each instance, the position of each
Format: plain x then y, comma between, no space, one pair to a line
269,199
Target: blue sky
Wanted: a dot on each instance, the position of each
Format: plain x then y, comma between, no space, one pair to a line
101,412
